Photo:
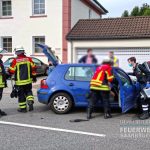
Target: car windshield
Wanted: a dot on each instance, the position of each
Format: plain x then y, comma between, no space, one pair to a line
8,62
36,61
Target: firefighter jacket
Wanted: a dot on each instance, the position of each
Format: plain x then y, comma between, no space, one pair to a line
101,78
24,70
2,75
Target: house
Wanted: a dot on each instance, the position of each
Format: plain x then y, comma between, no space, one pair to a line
127,37
27,22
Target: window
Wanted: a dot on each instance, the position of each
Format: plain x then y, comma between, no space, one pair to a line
37,62
38,7
70,74
125,80
79,73
8,62
90,13
6,8
7,44
36,40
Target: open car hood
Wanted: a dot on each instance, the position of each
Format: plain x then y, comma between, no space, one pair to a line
48,53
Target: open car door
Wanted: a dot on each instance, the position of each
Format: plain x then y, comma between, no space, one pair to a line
48,53
127,90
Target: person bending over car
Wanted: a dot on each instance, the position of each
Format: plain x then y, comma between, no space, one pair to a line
143,77
100,88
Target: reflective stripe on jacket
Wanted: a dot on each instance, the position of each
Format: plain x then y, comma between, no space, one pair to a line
24,69
2,75
101,77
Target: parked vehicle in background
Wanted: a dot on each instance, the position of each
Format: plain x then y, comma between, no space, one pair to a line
42,68
68,85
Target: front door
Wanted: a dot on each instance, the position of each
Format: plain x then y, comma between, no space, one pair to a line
127,90
78,79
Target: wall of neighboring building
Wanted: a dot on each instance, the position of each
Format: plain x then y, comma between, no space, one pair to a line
73,46
81,11
123,49
23,26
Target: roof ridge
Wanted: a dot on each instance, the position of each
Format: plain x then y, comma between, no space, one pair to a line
115,18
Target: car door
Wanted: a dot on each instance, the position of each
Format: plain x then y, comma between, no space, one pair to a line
127,90
78,80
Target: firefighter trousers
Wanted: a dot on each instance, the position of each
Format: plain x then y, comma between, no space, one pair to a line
25,95
1,93
99,95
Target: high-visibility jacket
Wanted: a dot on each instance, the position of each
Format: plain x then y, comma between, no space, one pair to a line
115,62
24,69
101,78
2,75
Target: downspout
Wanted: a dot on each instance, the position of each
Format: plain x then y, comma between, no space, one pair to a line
71,51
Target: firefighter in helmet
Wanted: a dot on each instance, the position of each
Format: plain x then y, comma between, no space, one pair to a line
24,71
3,77
100,88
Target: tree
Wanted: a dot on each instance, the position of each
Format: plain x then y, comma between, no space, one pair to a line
125,14
135,11
147,12
143,9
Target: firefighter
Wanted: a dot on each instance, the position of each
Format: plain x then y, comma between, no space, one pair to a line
143,77
100,88
3,83
24,71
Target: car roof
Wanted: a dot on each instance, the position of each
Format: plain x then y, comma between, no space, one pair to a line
75,64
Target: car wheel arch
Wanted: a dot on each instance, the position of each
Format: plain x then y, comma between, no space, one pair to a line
62,91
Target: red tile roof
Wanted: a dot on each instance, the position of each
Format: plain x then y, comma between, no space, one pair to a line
111,28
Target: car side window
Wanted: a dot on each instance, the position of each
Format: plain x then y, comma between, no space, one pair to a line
79,73
70,74
83,73
124,78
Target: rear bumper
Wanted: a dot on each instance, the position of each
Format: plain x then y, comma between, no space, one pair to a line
43,95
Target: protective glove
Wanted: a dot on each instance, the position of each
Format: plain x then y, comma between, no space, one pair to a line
34,79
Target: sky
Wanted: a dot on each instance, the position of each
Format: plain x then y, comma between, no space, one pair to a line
117,7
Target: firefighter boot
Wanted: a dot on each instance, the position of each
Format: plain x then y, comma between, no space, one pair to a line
89,113
22,110
2,113
144,115
107,114
30,103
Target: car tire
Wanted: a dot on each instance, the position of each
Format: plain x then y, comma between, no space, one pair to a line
61,103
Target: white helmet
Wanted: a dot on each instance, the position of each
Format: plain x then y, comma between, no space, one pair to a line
19,50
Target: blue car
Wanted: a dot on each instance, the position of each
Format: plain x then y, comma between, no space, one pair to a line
67,86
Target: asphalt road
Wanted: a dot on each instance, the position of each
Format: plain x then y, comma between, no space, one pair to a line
44,130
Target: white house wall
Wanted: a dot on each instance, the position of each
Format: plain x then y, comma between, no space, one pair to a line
81,11
22,28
